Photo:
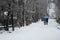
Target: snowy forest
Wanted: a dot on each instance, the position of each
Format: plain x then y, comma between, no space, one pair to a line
29,19
22,12
18,13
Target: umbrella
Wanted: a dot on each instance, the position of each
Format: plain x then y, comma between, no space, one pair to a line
46,17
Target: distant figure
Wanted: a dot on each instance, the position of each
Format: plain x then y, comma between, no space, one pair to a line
46,20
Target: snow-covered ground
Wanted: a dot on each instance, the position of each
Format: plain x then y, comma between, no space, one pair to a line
35,31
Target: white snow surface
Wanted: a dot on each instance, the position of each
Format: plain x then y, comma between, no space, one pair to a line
35,31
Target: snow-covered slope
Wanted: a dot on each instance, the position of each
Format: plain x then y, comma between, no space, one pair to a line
35,31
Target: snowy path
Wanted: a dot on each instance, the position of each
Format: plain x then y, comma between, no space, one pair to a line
36,31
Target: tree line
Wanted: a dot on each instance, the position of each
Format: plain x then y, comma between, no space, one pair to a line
21,13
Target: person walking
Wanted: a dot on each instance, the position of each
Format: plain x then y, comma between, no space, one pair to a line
46,19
